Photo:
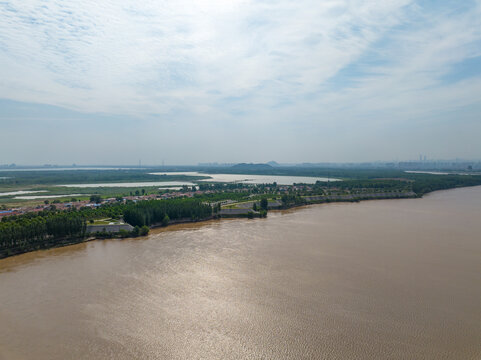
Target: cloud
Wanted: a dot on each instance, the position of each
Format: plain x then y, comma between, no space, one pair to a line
122,56
304,67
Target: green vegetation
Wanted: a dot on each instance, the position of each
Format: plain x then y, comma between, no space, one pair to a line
39,230
96,199
52,227
291,200
60,177
49,180
49,228
264,203
104,221
425,183
339,173
154,211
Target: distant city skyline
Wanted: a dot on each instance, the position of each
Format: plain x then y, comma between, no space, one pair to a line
215,163
233,81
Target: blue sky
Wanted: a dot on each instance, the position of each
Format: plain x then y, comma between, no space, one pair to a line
238,81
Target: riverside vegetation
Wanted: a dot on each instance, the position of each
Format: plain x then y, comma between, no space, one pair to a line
51,227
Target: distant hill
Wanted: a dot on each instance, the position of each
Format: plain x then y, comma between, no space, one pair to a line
273,163
245,166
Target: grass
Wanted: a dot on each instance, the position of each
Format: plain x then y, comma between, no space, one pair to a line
47,181
105,222
106,192
237,204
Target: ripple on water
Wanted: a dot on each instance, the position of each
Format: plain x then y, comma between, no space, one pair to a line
390,279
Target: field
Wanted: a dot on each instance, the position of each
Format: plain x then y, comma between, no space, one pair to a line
49,181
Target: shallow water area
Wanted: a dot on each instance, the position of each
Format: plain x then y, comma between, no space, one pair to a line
33,197
21,192
131,184
251,179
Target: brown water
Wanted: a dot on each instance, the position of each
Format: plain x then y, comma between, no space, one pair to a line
392,279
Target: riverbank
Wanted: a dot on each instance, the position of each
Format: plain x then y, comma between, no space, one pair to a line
243,213
229,214
57,243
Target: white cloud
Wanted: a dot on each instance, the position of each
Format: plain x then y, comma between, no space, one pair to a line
301,67
418,57
150,57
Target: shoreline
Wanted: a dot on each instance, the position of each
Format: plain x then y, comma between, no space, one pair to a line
173,223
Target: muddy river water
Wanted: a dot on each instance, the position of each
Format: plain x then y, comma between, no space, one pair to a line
389,279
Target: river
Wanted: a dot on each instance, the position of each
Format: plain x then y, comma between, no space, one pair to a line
388,279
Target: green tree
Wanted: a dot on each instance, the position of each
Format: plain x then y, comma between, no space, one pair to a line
97,199
165,220
136,231
124,233
264,203
144,230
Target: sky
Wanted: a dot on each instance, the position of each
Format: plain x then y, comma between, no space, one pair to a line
182,82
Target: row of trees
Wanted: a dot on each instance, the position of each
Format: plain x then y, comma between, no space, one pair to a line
154,211
292,199
34,230
51,227
425,183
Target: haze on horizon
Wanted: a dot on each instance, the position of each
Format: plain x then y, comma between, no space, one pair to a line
232,81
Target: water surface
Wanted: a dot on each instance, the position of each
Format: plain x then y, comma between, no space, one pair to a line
391,279
33,197
131,184
21,192
251,179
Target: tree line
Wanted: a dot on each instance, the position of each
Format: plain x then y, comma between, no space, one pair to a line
155,212
33,231
425,183
52,227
